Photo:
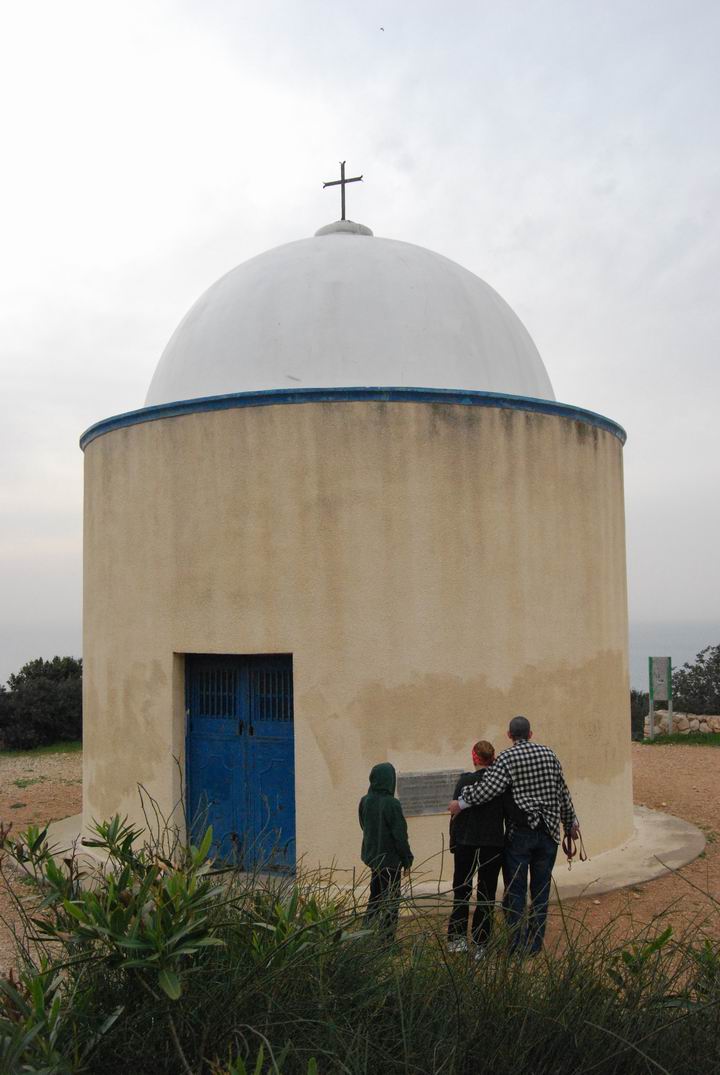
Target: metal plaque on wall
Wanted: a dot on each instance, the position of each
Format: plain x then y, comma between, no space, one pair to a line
426,793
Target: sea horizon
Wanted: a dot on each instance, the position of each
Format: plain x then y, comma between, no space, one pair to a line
681,641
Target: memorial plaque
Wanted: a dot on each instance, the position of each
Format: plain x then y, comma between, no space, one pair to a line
661,678
426,793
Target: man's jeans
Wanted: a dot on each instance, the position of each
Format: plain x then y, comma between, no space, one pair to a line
536,851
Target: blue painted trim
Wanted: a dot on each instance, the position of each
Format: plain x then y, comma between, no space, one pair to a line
275,396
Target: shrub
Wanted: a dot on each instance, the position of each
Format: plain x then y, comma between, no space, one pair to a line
158,964
6,708
43,704
696,686
639,702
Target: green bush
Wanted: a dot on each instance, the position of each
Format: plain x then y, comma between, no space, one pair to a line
696,686
43,704
6,709
639,702
159,964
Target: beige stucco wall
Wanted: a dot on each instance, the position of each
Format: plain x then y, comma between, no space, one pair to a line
433,568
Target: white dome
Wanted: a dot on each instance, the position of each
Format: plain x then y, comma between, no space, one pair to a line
347,310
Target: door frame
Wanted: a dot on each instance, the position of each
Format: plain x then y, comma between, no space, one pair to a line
243,804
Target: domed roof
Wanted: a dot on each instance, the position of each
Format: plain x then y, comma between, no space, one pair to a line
345,310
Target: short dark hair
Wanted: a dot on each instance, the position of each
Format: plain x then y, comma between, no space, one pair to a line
519,728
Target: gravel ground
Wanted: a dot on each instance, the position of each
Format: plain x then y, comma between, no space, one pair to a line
33,788
683,780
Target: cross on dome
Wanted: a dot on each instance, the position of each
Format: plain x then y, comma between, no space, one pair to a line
341,182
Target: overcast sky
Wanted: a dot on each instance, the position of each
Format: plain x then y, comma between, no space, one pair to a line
566,152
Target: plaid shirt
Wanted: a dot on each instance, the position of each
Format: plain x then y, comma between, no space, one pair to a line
534,774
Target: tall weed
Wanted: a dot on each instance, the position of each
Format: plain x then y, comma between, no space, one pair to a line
159,963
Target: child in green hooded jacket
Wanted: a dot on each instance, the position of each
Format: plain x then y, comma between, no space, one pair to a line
385,847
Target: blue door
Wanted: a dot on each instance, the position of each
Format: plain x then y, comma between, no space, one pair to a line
240,758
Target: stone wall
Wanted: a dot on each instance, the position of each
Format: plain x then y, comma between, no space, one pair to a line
684,723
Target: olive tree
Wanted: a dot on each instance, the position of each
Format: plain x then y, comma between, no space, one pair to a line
696,686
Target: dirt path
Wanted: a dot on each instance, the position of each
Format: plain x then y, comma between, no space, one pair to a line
683,780
34,788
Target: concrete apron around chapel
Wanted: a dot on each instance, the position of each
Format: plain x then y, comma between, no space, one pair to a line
290,576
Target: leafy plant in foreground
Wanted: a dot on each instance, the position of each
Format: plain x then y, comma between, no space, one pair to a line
632,968
142,915
152,914
157,964
273,1067
34,1018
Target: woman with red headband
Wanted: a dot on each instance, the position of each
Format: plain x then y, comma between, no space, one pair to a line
477,836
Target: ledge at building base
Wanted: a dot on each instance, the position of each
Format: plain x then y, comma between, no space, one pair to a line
660,843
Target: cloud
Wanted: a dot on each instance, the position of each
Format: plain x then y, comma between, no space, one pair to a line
566,153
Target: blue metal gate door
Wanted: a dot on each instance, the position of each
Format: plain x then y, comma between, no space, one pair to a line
217,705
271,762
240,758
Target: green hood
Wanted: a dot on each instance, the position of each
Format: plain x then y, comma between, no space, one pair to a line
385,837
382,778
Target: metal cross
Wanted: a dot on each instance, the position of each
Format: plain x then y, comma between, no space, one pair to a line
341,183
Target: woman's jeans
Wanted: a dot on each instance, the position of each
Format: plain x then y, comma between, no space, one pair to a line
486,861
533,851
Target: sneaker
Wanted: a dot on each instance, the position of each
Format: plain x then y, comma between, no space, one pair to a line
459,945
479,951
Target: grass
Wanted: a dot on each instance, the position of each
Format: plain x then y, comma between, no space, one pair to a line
692,739
73,746
161,966
27,782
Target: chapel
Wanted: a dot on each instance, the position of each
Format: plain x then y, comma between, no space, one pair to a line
350,524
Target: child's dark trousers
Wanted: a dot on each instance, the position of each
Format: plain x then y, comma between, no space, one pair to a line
486,862
384,903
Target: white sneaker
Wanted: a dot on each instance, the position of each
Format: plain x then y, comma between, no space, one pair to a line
460,945
479,952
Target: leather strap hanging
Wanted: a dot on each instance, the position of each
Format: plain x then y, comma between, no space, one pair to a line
570,848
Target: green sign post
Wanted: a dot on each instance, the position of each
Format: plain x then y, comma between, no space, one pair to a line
660,677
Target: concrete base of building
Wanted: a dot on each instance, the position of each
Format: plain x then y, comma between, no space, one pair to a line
660,844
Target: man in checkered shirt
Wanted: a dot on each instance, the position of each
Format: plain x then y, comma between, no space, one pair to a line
534,775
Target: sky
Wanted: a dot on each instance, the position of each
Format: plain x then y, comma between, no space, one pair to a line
566,152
